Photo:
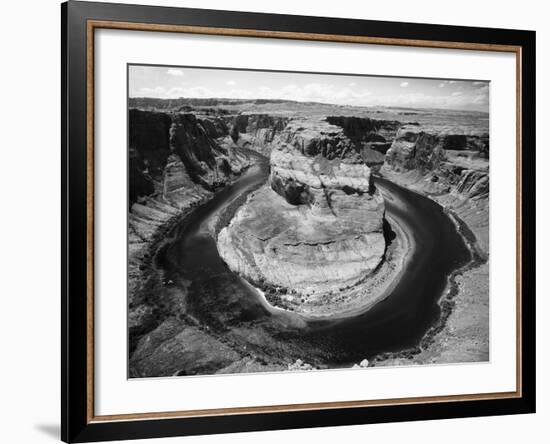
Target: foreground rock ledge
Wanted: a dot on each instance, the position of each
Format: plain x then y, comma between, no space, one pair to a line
315,232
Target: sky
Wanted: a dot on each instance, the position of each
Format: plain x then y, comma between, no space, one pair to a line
174,82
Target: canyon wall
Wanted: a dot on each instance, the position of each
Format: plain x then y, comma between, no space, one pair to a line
256,131
440,163
453,169
176,161
329,232
373,137
199,143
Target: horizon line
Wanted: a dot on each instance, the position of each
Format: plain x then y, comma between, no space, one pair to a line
308,102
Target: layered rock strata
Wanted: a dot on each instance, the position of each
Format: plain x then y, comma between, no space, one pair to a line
372,137
316,230
440,163
176,162
312,214
452,169
256,131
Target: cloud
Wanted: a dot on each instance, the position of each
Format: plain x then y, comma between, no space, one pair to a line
175,72
317,92
482,99
199,92
175,92
442,85
152,92
231,83
404,84
426,100
477,98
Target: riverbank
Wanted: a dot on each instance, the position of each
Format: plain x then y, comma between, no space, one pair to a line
212,322
352,301
461,334
151,225
146,284
180,339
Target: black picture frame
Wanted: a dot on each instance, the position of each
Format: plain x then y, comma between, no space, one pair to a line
76,423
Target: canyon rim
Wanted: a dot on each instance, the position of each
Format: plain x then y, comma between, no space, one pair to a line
282,221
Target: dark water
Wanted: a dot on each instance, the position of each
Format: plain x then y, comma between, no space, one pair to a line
230,309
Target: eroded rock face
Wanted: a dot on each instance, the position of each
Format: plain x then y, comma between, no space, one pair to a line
453,169
415,149
154,136
148,151
207,162
362,129
171,347
316,228
176,161
318,165
473,183
372,137
257,131
443,163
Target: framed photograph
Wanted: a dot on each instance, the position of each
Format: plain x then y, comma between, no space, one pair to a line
275,221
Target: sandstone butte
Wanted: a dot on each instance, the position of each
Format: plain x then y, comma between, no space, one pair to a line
316,228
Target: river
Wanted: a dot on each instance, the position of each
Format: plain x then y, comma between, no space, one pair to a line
229,308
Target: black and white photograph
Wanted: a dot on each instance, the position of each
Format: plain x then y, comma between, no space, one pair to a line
275,222
293,221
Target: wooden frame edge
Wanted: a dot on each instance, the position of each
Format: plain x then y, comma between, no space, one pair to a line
90,208
303,407
519,222
91,25
338,38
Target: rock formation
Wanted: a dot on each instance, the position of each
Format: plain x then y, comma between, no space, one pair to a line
453,169
176,160
317,227
371,137
313,239
256,131
199,143
440,163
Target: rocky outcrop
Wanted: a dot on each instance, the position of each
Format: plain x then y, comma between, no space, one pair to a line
149,148
317,165
154,136
372,137
453,169
414,149
362,129
440,163
474,184
317,228
173,346
256,131
207,162
176,160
